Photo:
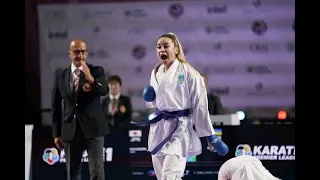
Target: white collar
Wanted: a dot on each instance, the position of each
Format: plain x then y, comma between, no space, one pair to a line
114,97
174,65
73,68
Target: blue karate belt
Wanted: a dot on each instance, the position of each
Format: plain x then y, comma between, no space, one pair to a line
164,115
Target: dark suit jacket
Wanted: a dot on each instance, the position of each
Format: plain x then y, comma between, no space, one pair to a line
83,106
122,117
214,105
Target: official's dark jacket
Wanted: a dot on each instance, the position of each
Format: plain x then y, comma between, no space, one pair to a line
122,117
214,105
83,106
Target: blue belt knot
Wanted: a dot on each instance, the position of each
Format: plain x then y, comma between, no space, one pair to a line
166,115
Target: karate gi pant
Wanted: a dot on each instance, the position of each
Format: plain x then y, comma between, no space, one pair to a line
169,167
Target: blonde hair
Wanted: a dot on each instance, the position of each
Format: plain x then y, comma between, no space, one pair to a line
180,55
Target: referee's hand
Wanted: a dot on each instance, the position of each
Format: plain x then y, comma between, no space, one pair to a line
58,142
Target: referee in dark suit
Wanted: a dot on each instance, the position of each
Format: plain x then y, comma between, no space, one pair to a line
81,123
117,108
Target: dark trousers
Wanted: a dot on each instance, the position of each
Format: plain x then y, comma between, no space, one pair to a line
74,149
120,167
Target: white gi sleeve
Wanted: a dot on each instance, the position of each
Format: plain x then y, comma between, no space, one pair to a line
222,176
199,100
226,170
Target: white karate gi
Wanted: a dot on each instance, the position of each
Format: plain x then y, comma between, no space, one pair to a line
177,89
244,167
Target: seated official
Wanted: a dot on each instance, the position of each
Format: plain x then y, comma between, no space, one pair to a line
116,106
214,103
118,109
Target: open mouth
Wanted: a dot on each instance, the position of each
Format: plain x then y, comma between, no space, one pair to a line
164,57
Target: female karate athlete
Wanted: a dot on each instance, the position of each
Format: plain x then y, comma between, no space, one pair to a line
180,102
244,167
